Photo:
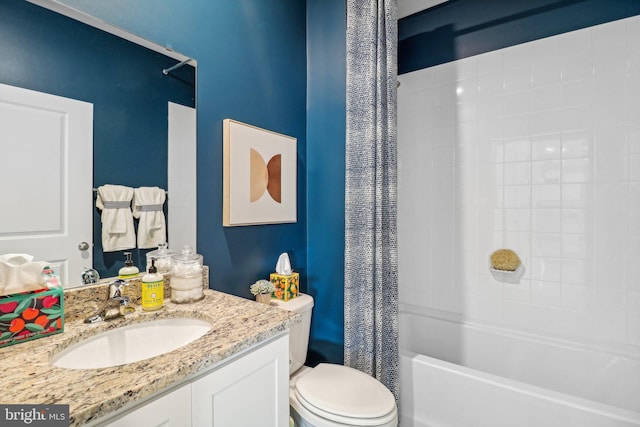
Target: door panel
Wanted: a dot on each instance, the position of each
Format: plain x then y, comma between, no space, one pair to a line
46,176
250,391
181,172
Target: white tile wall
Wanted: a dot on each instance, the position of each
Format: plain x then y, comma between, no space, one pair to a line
535,148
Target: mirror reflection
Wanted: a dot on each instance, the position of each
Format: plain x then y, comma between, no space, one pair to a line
129,95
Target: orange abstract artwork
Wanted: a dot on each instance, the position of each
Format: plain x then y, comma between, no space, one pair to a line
265,177
259,176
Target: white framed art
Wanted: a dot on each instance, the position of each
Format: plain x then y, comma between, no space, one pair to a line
259,176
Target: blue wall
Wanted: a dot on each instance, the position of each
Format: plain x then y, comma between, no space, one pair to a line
462,28
251,67
326,123
47,52
254,57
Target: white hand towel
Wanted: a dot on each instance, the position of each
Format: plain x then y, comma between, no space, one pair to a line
147,206
117,221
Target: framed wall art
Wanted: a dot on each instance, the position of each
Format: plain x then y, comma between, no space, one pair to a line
259,176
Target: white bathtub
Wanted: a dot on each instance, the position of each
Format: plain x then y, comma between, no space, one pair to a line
458,374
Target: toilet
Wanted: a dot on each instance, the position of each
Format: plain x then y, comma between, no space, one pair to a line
331,395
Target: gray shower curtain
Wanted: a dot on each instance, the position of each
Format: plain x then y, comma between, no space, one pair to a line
371,260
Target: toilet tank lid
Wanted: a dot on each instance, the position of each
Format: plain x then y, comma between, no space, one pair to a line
299,304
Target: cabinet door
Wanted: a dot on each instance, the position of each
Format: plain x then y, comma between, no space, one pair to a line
252,391
171,410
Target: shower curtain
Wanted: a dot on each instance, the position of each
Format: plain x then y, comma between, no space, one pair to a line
371,264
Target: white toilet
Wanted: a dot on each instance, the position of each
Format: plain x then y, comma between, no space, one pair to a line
331,395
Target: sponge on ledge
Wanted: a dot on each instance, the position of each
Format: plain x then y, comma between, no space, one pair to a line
505,260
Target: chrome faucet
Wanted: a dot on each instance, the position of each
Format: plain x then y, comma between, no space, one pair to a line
116,305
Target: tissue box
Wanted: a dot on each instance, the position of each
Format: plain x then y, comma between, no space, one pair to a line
286,286
31,315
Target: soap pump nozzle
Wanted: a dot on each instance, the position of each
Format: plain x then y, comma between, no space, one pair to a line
153,268
128,262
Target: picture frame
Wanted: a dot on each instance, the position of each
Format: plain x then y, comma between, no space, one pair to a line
260,174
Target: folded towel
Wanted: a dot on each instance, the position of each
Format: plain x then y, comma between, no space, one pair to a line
147,206
117,221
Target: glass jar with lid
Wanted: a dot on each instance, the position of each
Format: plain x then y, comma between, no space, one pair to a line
186,276
163,256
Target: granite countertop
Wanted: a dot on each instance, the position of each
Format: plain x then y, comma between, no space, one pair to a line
28,378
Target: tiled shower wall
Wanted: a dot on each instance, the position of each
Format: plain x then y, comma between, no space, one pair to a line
535,148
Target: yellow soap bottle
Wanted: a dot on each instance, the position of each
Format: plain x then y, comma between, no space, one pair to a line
152,289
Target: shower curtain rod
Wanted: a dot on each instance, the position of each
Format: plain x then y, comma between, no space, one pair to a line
95,190
166,71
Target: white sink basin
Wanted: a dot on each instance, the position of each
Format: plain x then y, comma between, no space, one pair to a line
131,343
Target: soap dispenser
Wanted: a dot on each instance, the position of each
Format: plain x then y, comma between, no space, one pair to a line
152,289
129,270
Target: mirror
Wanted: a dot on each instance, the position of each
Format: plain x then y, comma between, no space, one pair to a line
46,48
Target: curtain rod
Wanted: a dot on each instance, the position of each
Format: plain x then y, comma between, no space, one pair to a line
166,71
95,190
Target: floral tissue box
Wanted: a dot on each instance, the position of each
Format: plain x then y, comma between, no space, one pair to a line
31,315
286,286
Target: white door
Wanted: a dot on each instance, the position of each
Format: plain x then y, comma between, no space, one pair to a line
46,176
181,172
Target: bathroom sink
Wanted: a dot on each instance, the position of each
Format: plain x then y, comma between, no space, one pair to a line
131,343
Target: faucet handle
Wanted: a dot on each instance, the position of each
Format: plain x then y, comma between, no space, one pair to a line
115,288
116,305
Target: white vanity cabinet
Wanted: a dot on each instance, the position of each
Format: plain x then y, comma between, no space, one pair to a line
251,389
170,410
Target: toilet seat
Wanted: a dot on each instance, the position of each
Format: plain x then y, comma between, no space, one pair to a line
345,395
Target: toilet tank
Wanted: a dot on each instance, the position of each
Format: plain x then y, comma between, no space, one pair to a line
299,332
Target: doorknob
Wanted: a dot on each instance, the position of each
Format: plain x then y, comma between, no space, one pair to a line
83,246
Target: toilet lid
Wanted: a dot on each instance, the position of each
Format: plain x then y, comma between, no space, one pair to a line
338,392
